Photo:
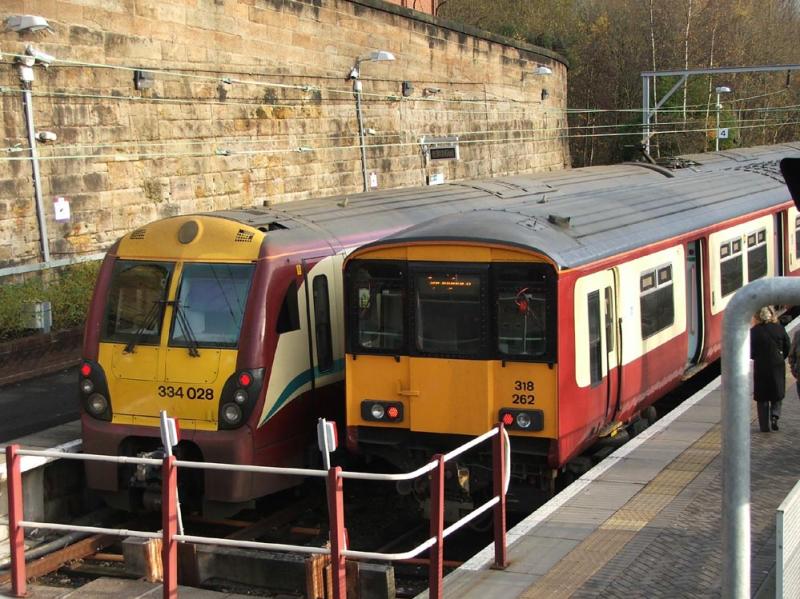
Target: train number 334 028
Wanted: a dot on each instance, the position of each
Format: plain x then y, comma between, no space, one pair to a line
188,392
523,398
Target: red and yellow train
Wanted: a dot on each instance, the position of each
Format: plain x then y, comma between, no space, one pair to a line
233,321
565,319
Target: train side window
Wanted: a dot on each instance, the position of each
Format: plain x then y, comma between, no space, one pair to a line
322,324
797,237
730,258
757,255
289,316
595,341
656,301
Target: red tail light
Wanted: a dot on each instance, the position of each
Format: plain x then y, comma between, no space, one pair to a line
392,412
245,379
86,369
508,419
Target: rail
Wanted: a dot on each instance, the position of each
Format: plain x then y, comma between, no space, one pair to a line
335,476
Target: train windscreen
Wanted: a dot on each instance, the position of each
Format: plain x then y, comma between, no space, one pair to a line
209,306
504,311
136,301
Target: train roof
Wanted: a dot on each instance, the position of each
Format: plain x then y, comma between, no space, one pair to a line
585,226
346,217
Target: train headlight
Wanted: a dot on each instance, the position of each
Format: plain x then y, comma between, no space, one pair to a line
97,405
240,396
382,411
522,420
231,413
87,386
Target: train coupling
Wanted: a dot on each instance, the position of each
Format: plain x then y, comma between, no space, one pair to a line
147,479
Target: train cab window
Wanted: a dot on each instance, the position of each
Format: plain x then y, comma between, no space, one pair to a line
595,341
656,301
730,258
322,323
289,316
521,301
757,255
449,313
136,301
210,305
376,292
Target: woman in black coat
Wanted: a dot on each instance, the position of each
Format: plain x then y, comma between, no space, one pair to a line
769,346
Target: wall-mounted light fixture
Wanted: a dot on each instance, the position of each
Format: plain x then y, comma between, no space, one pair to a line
431,91
355,77
542,69
25,23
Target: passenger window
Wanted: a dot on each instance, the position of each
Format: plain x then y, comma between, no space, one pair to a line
322,324
595,341
289,316
757,255
730,258
656,302
797,237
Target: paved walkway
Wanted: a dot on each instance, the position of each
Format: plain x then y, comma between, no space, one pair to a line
647,521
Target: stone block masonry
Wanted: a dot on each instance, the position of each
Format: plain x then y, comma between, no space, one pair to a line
249,104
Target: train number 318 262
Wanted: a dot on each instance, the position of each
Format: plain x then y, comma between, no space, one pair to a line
523,398
188,392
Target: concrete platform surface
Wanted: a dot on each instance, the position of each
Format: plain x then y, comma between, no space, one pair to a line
646,522
116,588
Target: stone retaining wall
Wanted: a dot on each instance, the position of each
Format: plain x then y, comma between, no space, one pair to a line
249,104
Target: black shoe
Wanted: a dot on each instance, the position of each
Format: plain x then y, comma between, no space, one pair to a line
774,424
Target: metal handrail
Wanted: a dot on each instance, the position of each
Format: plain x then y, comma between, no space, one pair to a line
252,544
335,476
121,532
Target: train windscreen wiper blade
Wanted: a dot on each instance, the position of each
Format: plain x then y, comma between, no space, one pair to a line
149,321
186,329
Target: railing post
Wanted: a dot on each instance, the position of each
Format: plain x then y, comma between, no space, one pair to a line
16,534
169,515
437,530
338,539
498,457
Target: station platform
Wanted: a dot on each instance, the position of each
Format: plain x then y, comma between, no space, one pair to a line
646,522
115,588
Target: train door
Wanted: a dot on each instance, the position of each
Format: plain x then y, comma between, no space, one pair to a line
449,334
321,279
694,308
598,337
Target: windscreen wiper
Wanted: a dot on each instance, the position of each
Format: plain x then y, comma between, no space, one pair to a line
149,321
186,329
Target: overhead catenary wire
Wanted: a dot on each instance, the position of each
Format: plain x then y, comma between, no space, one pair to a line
299,138
234,153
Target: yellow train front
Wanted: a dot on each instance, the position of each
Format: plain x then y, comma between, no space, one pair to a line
445,339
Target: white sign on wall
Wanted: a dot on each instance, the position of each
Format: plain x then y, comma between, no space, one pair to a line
373,180
723,133
61,208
